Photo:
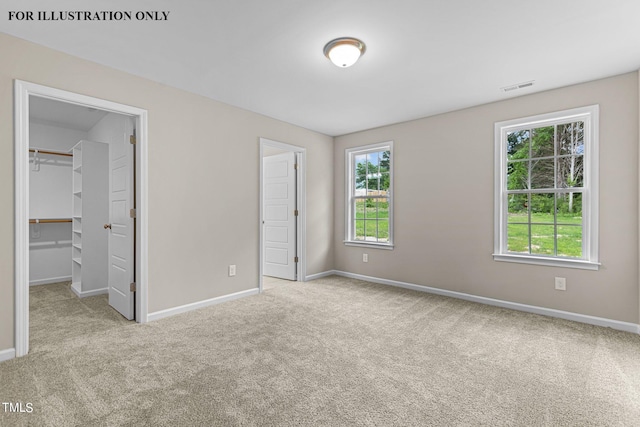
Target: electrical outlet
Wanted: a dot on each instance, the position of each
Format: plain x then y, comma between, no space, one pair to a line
365,257
232,270
561,284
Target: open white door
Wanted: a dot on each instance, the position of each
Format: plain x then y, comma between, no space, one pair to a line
121,250
279,216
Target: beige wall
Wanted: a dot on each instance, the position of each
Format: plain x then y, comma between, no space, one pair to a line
203,179
444,205
203,192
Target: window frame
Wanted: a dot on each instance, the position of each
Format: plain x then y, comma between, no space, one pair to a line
350,185
590,254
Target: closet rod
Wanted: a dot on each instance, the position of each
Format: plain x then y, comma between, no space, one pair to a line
55,153
44,221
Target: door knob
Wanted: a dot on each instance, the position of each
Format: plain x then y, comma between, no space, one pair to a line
107,226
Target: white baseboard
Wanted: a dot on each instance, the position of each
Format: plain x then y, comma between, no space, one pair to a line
49,281
576,317
200,304
319,275
76,290
7,354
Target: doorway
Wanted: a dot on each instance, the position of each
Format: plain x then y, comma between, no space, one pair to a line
28,96
282,212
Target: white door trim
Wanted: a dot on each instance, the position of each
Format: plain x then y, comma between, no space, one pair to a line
22,91
301,155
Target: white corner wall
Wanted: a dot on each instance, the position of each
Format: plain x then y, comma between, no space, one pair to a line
52,137
49,253
110,129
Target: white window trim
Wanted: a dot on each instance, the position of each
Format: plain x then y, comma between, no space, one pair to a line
350,154
589,115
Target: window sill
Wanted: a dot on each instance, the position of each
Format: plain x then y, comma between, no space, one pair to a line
549,262
387,246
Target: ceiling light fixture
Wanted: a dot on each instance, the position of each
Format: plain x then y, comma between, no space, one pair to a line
344,51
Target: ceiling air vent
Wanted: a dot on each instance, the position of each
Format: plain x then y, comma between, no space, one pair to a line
517,86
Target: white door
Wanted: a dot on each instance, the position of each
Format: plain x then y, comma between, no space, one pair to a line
121,250
279,250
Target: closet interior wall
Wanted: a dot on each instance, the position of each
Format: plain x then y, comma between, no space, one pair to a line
51,197
50,183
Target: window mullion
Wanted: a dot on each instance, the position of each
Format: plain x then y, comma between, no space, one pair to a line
529,165
353,214
378,176
366,192
353,218
529,170
555,186
529,218
555,225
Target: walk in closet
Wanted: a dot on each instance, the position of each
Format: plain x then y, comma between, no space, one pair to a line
50,215
69,207
71,157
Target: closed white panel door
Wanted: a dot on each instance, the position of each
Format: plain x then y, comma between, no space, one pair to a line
121,255
279,239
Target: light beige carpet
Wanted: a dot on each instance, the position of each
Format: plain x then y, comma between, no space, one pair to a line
332,352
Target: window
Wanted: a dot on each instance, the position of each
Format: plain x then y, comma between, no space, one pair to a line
369,172
546,190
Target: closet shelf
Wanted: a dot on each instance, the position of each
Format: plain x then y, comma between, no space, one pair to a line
90,210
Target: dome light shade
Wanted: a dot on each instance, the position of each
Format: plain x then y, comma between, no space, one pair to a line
345,51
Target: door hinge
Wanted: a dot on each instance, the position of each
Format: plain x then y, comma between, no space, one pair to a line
132,213
295,166
295,212
132,139
132,287
295,259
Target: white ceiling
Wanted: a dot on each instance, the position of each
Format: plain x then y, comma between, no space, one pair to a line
51,112
423,57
